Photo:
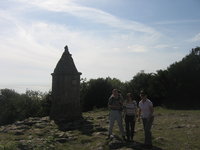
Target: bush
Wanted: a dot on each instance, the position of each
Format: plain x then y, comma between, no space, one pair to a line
14,106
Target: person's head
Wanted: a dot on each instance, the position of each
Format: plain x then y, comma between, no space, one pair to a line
143,94
115,92
129,96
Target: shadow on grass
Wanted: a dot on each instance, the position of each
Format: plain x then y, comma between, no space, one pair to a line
140,146
116,143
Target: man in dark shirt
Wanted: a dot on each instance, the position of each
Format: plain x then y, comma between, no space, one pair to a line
115,106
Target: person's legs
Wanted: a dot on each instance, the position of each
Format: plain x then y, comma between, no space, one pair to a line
127,127
111,122
132,124
147,123
148,131
144,121
119,121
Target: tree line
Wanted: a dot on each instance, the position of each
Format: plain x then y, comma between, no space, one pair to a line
176,87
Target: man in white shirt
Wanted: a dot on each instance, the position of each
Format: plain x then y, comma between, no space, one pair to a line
146,113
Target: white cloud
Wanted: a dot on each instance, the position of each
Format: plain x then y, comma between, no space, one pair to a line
196,38
137,48
33,51
92,14
168,22
30,49
161,46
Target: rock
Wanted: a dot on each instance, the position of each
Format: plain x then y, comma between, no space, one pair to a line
116,143
184,115
61,140
101,129
85,141
191,126
89,118
17,123
99,146
160,140
158,114
101,117
40,125
139,129
99,134
45,119
72,138
180,126
30,137
51,146
60,134
23,145
18,132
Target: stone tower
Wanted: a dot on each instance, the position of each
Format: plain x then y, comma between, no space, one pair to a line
65,104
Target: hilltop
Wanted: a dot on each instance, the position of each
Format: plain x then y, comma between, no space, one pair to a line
172,130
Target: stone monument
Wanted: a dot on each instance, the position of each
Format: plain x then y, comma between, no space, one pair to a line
65,105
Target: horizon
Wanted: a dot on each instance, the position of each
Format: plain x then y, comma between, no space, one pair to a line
113,39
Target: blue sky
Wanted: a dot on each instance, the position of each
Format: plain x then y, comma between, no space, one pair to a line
115,38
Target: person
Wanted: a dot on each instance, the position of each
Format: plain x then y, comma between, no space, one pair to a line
115,106
130,110
146,111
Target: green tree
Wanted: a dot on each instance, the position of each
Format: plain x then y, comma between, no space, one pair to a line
14,106
97,92
184,83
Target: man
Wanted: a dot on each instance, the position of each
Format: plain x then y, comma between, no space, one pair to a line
115,105
146,111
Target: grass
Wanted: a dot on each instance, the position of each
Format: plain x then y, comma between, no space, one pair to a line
172,130
177,129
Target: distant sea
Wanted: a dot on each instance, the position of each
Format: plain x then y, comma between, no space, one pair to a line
22,88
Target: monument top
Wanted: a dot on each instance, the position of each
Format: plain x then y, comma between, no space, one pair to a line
66,64
66,50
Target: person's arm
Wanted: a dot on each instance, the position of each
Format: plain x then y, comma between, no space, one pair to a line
151,110
110,102
111,106
136,108
139,114
136,112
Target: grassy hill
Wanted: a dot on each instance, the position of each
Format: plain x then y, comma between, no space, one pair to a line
172,130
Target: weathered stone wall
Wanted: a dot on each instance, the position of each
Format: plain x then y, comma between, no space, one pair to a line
65,90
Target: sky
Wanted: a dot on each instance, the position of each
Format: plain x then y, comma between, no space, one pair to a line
107,38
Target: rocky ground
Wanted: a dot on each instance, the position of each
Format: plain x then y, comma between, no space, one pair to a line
87,133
